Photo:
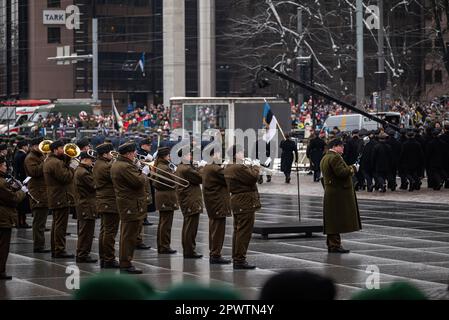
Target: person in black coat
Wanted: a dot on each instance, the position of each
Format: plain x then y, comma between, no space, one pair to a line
382,161
401,173
411,161
366,164
20,174
395,146
435,157
445,138
353,152
288,148
315,152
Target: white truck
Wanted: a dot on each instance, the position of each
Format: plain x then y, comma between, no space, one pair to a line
352,121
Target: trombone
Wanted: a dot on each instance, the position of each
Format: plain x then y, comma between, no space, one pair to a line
181,182
251,163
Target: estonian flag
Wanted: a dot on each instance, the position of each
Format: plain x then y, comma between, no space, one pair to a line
141,63
270,123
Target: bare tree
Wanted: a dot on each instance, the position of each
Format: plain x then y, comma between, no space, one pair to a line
268,34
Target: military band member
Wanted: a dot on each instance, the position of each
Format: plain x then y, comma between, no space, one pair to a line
142,151
145,151
9,199
58,174
129,186
85,207
191,202
218,206
245,201
106,206
20,174
34,168
166,201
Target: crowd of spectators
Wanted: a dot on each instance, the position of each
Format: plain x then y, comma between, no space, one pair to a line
412,114
154,118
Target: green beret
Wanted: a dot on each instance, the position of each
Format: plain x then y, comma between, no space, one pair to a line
196,291
396,291
109,286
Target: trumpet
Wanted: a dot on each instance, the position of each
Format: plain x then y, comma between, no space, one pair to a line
183,183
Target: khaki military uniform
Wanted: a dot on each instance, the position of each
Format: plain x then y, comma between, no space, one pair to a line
218,205
149,200
191,203
245,201
129,186
106,208
9,200
60,192
34,168
85,209
166,204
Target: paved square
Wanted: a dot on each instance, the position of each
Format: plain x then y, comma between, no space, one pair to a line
406,240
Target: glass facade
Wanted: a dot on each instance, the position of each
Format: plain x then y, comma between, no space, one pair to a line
3,50
128,31
10,47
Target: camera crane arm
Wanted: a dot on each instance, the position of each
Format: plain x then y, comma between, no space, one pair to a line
328,97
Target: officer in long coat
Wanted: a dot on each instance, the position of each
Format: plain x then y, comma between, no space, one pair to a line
218,205
245,201
34,168
191,203
166,200
106,206
340,208
86,210
129,186
9,199
58,174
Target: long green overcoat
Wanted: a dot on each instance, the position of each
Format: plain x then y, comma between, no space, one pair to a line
340,208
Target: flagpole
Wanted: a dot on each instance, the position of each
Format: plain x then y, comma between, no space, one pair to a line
112,113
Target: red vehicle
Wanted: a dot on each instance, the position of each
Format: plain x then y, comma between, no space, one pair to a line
24,110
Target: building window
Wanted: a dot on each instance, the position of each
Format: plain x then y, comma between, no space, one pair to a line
438,76
53,3
54,35
428,76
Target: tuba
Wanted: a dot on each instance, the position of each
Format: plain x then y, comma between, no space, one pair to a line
72,150
44,146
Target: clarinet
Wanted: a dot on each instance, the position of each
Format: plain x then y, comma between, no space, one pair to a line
17,185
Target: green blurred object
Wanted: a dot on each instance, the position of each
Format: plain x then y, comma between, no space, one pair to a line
395,291
114,287
196,291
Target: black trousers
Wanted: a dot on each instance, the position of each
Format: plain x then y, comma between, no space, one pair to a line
369,179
